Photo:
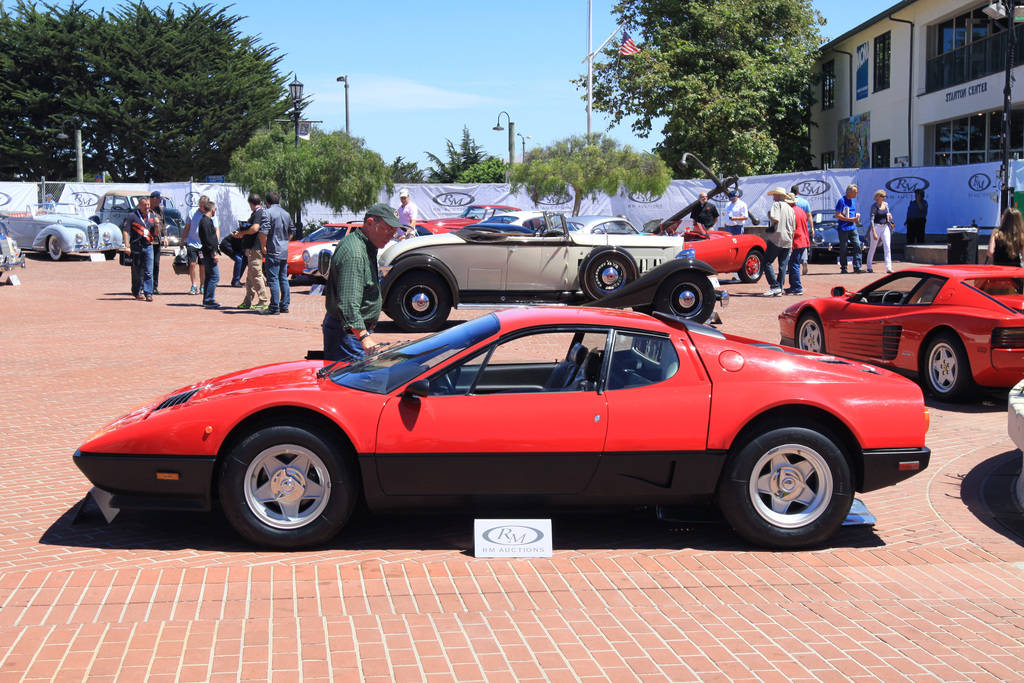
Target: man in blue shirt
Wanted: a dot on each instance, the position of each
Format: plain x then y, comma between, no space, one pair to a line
849,219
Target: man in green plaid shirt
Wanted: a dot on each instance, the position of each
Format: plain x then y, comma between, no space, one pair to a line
353,298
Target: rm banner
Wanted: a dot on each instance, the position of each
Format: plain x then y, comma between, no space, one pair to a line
16,197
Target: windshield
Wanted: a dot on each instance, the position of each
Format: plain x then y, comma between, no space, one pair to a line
474,212
385,372
327,233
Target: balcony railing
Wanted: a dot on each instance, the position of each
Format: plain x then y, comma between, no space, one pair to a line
975,60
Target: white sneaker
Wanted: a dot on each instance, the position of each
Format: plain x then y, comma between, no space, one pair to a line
773,292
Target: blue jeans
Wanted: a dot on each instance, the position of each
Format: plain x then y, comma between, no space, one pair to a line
239,269
142,271
734,229
277,280
211,278
796,260
846,237
339,343
771,253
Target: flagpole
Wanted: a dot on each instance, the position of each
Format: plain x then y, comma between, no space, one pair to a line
590,64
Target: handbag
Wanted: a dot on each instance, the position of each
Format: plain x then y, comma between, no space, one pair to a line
125,258
227,248
180,263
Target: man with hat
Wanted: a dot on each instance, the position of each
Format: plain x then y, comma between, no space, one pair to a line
736,214
353,298
779,240
408,213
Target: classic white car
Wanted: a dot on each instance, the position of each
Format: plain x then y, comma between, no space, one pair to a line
61,229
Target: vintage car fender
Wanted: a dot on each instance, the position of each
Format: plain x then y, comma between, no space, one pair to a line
67,234
425,262
641,291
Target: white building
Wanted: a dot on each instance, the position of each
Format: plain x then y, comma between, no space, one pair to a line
920,84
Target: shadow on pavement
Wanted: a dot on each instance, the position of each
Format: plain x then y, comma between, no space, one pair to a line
988,491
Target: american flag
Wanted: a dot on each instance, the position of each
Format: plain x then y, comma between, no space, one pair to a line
628,47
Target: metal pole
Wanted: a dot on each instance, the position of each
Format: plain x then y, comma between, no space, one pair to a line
297,115
78,152
1011,42
511,147
590,64
347,130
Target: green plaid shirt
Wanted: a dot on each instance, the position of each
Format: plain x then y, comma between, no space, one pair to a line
353,292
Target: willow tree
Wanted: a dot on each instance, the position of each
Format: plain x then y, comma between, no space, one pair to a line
588,166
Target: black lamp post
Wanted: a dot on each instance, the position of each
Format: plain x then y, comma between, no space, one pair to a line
511,141
295,90
78,143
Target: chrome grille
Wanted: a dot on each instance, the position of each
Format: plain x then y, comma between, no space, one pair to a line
92,236
176,400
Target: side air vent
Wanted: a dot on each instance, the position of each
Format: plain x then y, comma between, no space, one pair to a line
176,400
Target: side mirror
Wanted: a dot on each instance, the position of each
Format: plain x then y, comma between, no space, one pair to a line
838,290
418,389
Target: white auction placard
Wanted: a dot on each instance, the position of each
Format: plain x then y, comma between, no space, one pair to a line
512,538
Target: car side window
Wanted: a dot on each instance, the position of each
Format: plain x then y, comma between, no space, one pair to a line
119,204
618,228
926,293
548,361
893,291
639,360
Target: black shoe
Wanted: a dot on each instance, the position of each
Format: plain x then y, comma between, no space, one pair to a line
843,271
155,291
284,310
269,311
212,304
857,271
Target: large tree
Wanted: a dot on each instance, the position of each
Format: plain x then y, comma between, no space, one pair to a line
161,94
462,163
728,80
334,169
587,166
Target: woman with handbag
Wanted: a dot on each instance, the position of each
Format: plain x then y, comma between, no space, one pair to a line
880,231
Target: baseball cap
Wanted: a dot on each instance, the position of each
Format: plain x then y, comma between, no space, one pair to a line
386,212
155,194
403,193
732,195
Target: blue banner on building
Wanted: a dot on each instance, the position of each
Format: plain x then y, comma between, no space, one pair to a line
862,71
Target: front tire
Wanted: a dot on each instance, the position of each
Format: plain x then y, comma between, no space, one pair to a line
606,274
419,302
54,248
946,371
787,488
810,335
687,295
753,267
287,487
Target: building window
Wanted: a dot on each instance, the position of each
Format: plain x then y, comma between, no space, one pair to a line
975,139
828,160
966,48
883,57
828,85
880,154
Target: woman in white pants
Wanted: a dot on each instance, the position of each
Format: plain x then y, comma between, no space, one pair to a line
880,231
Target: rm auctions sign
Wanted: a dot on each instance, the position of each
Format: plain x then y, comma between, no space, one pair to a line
512,538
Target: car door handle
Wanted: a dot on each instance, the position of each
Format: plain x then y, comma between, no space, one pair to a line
513,248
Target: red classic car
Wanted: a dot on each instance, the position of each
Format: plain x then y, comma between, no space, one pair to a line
951,327
470,215
519,411
728,253
329,233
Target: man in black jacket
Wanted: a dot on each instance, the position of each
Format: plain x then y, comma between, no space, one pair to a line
210,240
705,213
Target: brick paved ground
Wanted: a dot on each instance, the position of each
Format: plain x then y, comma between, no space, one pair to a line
933,592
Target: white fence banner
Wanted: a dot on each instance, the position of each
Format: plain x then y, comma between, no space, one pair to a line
15,197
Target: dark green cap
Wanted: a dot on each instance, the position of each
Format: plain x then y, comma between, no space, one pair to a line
384,211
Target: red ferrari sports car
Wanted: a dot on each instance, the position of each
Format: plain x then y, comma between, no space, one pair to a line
951,327
330,232
522,410
470,215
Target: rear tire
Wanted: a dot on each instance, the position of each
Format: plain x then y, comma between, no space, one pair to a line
687,295
787,488
945,369
288,487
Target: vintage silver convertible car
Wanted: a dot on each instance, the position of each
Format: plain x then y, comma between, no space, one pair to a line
61,229
423,278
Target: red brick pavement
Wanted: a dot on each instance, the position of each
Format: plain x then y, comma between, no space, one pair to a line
932,592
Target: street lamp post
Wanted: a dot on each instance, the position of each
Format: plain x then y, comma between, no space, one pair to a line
295,90
78,144
345,80
511,142
528,137
1007,199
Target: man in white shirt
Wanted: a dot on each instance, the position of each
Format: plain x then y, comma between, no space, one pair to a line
736,214
408,213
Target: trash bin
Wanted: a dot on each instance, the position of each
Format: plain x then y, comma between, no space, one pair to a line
962,244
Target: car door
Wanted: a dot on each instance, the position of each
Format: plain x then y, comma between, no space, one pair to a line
869,325
498,424
537,263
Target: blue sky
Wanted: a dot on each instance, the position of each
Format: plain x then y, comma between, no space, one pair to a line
419,71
